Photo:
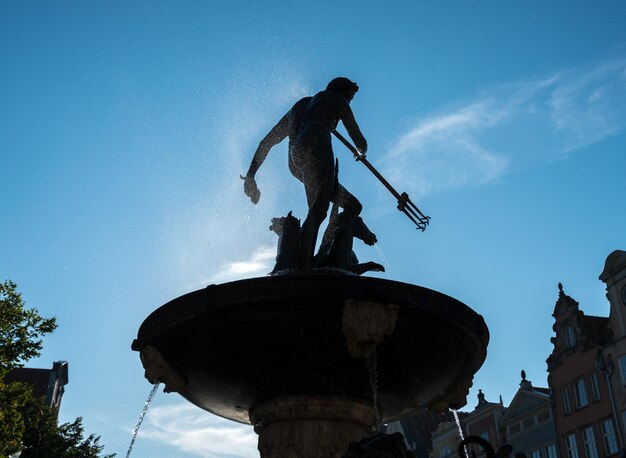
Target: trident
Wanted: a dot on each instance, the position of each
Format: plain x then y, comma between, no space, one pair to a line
404,202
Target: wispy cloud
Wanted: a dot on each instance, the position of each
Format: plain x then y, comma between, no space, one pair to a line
197,432
509,126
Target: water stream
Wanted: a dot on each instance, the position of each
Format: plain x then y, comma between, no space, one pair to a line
146,406
384,260
372,366
458,424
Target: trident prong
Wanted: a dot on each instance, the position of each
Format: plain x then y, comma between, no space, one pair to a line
405,205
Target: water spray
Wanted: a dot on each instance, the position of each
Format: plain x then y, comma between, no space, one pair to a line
146,406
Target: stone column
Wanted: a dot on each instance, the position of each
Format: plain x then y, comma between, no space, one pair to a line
311,426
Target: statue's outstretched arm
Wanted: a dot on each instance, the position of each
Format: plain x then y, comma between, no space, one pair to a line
347,117
278,133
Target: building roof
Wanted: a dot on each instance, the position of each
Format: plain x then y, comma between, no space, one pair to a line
38,379
594,325
43,382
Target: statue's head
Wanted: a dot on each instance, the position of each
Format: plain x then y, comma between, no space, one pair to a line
344,86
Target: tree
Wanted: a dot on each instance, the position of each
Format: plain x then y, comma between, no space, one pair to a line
21,329
25,420
13,399
43,438
21,335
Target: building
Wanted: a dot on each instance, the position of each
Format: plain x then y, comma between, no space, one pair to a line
586,373
583,412
528,423
611,361
48,384
446,440
485,421
418,429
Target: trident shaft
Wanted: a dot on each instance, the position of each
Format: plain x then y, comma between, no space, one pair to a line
404,202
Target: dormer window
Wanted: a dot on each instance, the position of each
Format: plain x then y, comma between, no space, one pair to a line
570,336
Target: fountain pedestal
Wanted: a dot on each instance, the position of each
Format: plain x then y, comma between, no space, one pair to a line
285,353
310,426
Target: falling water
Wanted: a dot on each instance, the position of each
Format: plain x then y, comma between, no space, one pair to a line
458,424
143,414
384,260
372,366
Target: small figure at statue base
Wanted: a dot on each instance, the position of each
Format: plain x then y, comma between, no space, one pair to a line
338,257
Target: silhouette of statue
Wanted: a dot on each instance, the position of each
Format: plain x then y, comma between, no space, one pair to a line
308,125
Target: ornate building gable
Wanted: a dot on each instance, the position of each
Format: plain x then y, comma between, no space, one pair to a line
523,403
575,331
527,399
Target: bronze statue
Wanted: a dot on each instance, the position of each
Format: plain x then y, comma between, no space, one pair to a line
308,125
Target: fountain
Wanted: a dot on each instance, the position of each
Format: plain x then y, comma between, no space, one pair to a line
315,356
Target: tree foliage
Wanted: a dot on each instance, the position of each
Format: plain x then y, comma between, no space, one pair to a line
24,420
21,329
13,399
43,438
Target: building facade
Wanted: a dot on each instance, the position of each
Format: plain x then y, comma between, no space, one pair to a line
587,370
582,413
486,421
446,440
611,361
528,423
418,429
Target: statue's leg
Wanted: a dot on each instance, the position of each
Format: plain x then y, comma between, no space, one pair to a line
318,177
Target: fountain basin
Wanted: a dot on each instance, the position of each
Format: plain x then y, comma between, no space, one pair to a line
232,347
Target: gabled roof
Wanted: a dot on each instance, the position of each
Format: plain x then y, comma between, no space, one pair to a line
564,302
526,400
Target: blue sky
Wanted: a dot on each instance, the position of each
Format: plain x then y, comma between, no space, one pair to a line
124,127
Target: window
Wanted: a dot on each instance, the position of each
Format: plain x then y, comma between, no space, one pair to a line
570,442
550,450
570,336
543,416
478,450
589,440
595,386
572,448
567,408
445,452
581,394
608,433
535,454
514,429
528,422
